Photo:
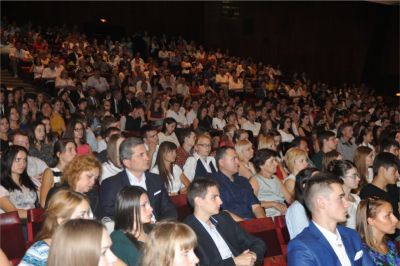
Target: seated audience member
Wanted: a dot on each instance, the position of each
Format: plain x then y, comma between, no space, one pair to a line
365,139
245,152
168,131
113,165
151,143
63,206
76,130
174,179
347,171
251,123
221,241
35,166
133,156
64,152
227,137
170,244
135,119
200,163
80,175
269,189
324,242
187,139
364,159
37,142
82,242
296,160
237,194
285,129
391,146
102,154
327,142
177,113
296,216
203,121
330,157
218,122
17,191
375,222
133,215
240,134
346,145
383,186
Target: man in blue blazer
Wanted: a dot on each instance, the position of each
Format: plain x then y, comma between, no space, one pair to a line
221,241
324,242
133,156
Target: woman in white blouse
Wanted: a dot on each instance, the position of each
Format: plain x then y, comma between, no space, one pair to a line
200,164
113,165
174,179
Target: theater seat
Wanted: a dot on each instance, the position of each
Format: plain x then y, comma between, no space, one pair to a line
283,233
182,206
34,223
12,238
275,261
264,228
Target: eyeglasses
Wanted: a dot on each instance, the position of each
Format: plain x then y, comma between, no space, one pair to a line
204,145
353,176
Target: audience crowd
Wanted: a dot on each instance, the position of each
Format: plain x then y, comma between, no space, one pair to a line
113,129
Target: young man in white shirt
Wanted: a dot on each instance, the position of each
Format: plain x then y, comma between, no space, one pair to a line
324,242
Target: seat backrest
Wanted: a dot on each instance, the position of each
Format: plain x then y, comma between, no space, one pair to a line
34,222
181,203
12,238
264,228
283,232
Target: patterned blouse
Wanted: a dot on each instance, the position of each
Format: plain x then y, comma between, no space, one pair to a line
391,258
36,255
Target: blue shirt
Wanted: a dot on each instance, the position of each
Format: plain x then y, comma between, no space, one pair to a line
237,196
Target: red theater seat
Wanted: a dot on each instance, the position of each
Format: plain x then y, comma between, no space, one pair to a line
34,223
264,228
12,238
182,206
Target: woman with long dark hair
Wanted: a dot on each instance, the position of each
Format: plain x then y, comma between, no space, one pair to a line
17,191
76,131
37,142
133,215
174,179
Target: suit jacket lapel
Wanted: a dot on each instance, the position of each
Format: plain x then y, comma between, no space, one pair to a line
125,180
347,245
323,241
222,233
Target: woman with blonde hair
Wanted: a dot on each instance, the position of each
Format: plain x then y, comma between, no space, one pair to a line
82,243
375,222
113,165
245,152
170,244
63,206
296,160
80,175
364,159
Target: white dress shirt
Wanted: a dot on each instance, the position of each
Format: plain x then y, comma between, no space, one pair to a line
135,181
337,245
222,246
189,169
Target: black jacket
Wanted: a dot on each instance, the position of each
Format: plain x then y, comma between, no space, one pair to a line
235,237
158,195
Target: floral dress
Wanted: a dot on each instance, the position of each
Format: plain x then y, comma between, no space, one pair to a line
391,258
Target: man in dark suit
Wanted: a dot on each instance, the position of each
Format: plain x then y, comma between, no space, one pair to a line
324,242
221,241
133,156
116,107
